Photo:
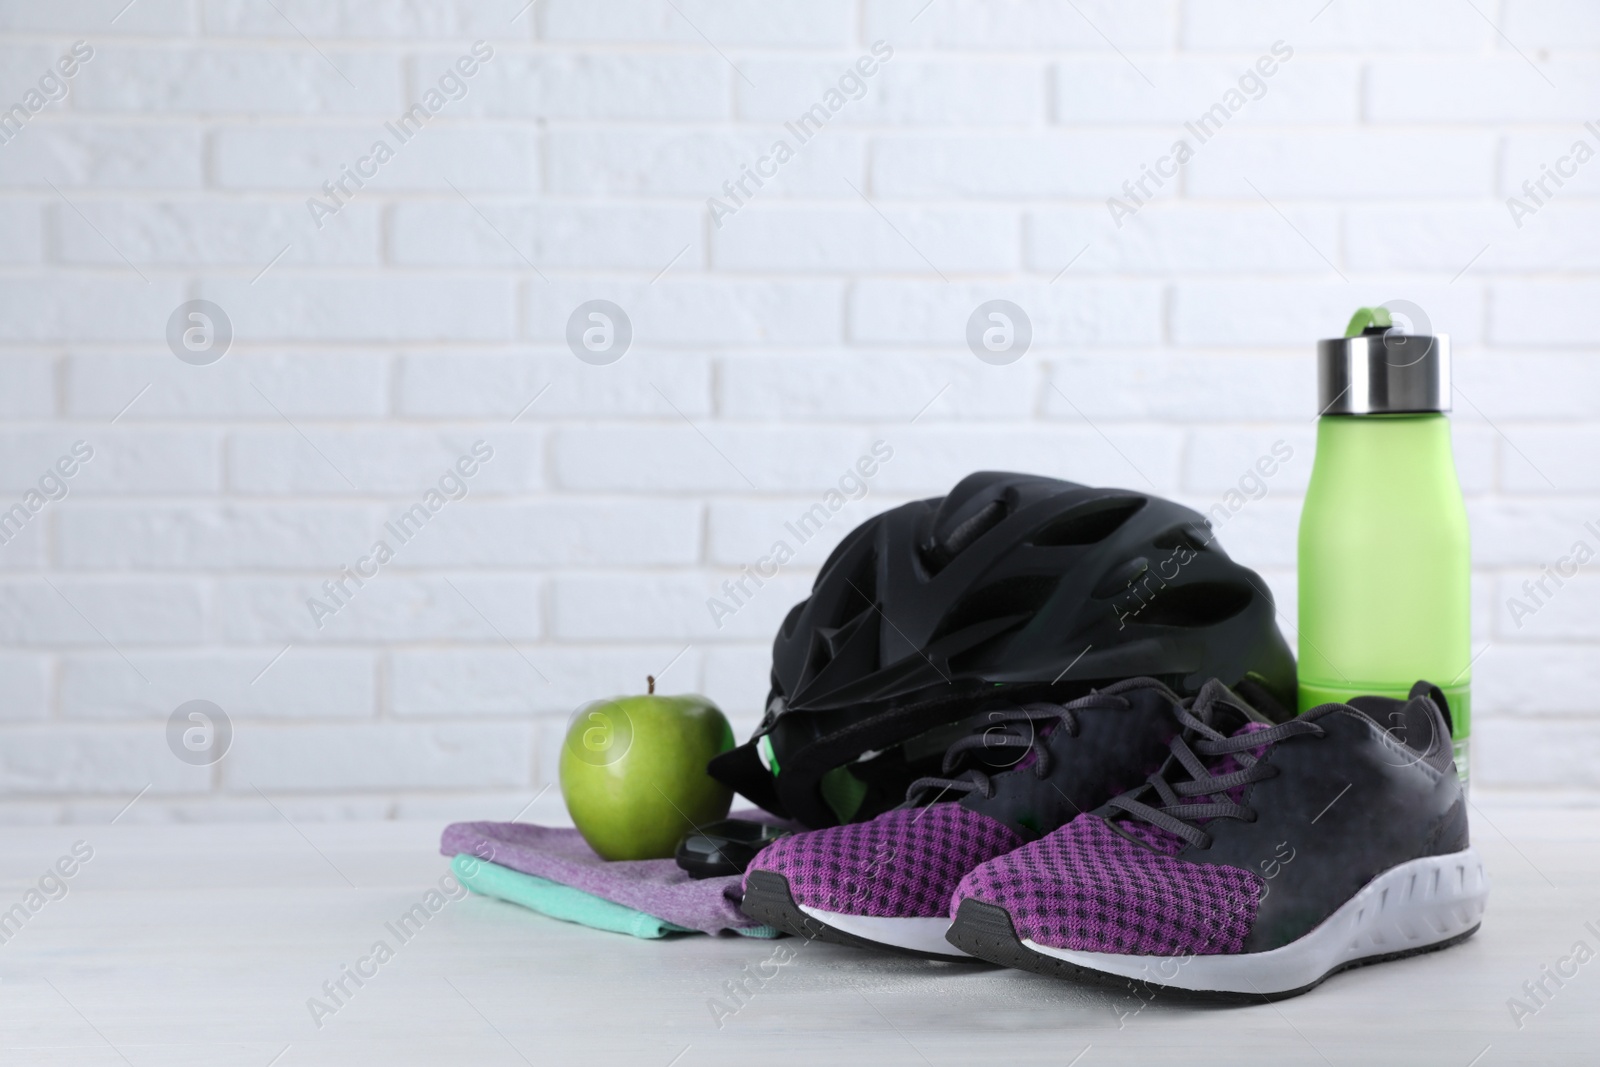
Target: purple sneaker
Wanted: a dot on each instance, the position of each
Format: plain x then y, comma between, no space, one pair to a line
1020,773
1260,860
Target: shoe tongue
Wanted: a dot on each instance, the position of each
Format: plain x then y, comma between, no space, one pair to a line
1223,710
1228,762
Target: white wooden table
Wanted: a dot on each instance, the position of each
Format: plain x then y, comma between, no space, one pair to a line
202,945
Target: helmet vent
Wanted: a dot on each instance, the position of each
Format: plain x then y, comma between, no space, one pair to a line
938,552
1191,537
1119,578
1195,604
1088,525
1016,597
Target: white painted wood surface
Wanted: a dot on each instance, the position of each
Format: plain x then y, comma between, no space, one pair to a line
202,944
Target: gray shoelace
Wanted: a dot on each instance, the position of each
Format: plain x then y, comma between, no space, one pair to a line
1205,795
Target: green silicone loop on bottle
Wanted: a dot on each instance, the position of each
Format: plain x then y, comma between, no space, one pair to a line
1366,317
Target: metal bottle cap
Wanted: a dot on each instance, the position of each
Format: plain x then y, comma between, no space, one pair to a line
1383,371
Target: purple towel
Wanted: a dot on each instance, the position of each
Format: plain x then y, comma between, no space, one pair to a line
655,887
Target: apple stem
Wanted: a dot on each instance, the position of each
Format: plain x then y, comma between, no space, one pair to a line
651,680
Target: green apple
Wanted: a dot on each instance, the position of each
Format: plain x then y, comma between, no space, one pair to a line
633,772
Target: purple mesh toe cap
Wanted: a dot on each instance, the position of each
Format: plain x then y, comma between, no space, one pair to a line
1088,889
905,863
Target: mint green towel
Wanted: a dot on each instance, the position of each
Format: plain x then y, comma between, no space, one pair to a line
564,902
556,900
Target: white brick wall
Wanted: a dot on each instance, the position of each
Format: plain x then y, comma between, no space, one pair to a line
768,351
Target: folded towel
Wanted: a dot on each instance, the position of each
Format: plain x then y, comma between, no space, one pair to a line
557,901
655,888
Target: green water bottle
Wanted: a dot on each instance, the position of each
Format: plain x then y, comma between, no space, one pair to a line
1385,564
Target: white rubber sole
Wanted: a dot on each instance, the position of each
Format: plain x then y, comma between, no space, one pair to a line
914,933
1403,910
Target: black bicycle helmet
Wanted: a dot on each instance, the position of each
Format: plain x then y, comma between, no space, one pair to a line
1012,588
